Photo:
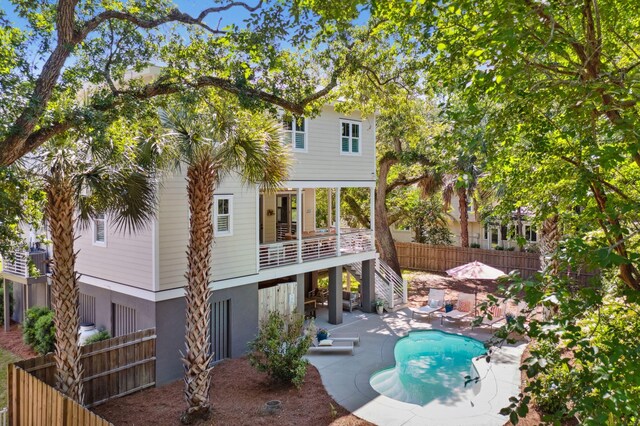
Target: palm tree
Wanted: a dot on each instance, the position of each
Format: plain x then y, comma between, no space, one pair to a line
81,181
213,141
463,183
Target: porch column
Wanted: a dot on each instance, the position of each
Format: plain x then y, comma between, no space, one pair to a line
6,304
368,288
335,295
372,216
338,221
300,294
299,223
329,208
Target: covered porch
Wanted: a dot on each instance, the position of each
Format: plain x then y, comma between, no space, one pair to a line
303,224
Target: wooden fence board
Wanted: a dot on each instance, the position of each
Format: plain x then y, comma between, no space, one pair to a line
440,258
111,368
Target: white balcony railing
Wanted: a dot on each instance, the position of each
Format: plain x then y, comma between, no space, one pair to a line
19,266
315,247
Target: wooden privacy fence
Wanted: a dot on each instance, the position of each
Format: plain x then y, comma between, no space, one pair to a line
34,403
280,298
440,258
111,368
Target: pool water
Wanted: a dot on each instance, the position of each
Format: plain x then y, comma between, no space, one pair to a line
430,365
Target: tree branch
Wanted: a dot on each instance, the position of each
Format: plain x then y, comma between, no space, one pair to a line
70,34
174,15
158,88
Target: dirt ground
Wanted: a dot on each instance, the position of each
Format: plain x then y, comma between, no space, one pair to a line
12,341
238,395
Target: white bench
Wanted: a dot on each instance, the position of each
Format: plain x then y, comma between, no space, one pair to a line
355,339
337,346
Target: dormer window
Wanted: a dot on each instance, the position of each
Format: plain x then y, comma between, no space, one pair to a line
295,132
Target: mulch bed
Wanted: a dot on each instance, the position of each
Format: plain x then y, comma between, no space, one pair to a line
238,395
12,341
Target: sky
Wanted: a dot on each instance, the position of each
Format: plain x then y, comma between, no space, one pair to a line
233,16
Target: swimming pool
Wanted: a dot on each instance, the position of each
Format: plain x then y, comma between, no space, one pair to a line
430,365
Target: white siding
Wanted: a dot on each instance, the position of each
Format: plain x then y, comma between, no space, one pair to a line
323,160
233,256
126,258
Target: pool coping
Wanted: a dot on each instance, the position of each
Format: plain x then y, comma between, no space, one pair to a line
346,378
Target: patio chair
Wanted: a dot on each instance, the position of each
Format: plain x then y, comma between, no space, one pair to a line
498,315
331,346
350,300
435,304
464,308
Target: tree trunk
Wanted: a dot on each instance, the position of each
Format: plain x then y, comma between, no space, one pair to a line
384,239
549,239
64,288
201,180
464,217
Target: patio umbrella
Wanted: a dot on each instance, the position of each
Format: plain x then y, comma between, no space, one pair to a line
475,271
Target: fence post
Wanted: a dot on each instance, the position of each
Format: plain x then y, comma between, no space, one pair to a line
405,295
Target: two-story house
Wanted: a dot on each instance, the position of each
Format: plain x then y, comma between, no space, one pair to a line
131,282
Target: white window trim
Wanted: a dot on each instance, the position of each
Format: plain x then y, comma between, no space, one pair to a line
350,152
217,233
93,232
293,132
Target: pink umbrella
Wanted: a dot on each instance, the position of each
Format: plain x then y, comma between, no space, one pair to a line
475,271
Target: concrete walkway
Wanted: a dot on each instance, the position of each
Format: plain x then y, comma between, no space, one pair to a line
346,377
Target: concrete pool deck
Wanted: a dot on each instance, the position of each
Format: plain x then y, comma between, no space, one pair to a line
346,377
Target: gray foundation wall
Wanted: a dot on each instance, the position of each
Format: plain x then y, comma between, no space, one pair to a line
145,311
170,327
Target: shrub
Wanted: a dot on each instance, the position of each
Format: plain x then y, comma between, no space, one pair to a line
45,334
474,245
31,317
279,347
98,337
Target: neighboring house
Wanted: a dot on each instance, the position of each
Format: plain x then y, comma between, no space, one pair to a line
485,235
26,275
262,240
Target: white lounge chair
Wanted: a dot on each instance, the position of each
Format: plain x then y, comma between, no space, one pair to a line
498,315
464,308
355,339
435,304
331,347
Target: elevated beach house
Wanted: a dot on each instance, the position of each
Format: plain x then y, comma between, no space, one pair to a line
269,248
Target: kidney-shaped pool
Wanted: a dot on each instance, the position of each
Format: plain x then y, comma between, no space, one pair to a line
430,365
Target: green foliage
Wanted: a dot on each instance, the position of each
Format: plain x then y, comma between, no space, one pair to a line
586,360
279,347
425,217
98,337
38,330
45,334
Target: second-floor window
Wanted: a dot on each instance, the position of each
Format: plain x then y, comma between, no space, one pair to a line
530,234
349,137
100,230
223,215
295,132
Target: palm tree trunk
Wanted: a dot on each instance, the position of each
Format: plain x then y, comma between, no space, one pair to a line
549,239
464,217
201,179
64,288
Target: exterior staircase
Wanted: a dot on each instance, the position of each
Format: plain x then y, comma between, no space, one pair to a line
389,286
